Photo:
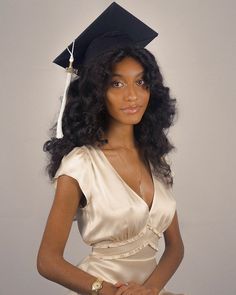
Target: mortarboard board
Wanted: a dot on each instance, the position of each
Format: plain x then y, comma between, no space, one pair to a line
114,28
122,27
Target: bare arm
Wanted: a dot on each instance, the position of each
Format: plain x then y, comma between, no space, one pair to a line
171,258
50,261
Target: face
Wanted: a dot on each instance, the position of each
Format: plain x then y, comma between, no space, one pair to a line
127,95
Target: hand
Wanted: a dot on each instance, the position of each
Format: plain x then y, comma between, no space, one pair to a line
132,288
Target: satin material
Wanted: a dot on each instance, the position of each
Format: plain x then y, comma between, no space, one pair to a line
116,222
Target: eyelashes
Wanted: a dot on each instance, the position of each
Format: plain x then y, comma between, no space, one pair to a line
116,84
119,84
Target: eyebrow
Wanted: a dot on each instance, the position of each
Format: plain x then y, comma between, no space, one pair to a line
119,75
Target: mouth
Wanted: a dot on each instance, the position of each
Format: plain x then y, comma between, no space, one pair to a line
131,110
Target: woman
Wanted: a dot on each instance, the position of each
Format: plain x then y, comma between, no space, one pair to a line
111,175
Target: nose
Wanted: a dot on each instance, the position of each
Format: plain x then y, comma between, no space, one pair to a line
131,93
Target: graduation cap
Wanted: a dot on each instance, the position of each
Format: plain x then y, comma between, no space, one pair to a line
114,28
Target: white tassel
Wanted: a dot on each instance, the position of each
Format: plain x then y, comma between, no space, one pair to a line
70,71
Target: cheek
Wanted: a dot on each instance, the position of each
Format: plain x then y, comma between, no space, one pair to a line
112,103
144,97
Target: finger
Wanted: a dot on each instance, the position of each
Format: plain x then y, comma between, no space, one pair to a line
120,283
138,290
135,289
121,290
133,283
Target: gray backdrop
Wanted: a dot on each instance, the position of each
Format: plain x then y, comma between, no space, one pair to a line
196,52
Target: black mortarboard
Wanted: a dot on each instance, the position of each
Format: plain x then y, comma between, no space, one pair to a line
114,28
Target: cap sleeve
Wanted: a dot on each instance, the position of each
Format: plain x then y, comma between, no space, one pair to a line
77,165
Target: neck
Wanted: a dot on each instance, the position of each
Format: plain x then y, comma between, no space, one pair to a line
121,136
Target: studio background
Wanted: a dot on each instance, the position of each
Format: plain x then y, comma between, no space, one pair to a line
196,52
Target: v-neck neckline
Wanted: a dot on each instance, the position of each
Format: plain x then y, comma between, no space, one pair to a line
125,183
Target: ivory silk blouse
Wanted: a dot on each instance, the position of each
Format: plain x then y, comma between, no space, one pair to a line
116,222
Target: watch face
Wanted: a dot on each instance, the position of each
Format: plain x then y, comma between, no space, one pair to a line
97,285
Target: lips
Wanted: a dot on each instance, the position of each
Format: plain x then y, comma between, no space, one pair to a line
131,110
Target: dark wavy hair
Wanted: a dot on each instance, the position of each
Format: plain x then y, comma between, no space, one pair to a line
85,117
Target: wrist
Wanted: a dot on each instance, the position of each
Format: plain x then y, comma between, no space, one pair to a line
155,289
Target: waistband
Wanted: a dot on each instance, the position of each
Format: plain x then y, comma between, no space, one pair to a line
120,249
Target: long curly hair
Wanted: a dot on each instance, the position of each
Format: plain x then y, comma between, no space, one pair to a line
85,117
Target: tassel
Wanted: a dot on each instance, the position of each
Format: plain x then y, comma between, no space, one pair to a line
70,71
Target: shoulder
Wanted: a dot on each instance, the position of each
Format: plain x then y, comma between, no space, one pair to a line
77,154
77,165
78,151
74,162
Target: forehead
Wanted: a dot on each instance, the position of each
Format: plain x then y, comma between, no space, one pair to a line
127,65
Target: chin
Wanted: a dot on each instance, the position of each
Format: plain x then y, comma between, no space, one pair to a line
131,121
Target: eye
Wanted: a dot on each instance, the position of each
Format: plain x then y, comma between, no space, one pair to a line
141,82
116,84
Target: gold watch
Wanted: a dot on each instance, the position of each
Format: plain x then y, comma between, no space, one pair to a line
96,286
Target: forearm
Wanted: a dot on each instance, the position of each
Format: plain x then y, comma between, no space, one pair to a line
62,272
169,262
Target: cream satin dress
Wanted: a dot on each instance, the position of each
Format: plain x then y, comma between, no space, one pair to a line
116,222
